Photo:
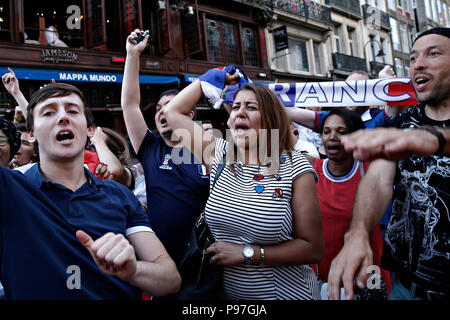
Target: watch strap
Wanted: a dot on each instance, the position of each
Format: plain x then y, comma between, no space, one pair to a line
261,256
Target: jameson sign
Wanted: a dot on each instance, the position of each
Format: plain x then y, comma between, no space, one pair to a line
58,55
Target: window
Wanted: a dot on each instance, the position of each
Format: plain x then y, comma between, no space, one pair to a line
337,42
149,22
5,23
353,42
440,12
298,59
48,23
428,9
249,46
221,41
445,9
406,68
404,38
387,59
129,11
382,47
434,10
392,5
317,57
95,22
394,33
398,67
411,33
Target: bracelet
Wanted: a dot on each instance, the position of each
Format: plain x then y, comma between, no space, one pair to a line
261,256
440,137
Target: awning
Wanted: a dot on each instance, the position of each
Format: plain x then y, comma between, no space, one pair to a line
190,77
80,76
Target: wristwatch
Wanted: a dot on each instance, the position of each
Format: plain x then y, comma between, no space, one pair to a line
248,253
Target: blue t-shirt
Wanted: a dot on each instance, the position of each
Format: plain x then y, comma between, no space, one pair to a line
40,256
176,193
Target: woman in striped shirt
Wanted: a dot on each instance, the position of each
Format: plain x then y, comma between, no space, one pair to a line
263,210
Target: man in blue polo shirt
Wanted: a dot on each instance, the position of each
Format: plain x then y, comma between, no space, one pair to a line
176,190
64,234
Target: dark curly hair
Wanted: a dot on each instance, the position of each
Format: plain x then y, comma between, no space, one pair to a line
13,136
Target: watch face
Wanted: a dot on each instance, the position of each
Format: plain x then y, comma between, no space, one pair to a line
248,252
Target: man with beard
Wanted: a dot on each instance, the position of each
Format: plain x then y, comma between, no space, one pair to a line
417,244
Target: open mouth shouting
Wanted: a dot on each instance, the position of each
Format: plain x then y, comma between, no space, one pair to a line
333,148
65,136
421,81
241,128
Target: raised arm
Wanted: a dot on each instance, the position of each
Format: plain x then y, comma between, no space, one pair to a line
12,86
131,95
304,117
373,195
386,73
200,143
396,144
117,171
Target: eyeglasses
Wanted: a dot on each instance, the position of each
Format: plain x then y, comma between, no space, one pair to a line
3,140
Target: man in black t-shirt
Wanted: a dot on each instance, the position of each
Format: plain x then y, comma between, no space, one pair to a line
417,244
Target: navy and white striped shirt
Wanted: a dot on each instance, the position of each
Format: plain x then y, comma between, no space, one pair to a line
242,210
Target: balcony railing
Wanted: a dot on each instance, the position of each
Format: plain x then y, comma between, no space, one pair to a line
350,63
375,17
351,7
312,10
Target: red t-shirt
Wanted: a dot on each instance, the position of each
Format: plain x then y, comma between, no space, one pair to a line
336,198
91,160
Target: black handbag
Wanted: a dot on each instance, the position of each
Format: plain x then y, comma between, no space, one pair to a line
200,280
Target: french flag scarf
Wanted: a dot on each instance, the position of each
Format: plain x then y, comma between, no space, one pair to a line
376,92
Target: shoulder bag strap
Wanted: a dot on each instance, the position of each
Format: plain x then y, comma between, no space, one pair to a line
219,171
216,177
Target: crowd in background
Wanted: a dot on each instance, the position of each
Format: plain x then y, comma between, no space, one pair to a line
341,191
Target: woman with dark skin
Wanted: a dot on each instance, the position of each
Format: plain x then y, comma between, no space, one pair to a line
339,176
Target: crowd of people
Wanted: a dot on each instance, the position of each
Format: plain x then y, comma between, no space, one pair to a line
296,213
